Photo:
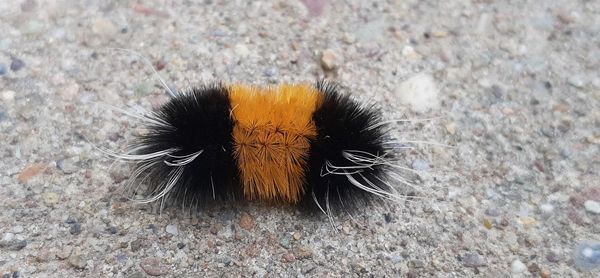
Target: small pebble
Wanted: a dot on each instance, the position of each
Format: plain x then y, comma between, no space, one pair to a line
409,52
576,81
172,229
180,245
50,198
75,228
270,72
219,33
18,229
517,267
587,255
104,27
487,224
67,166
473,260
553,257
31,171
18,244
349,38
547,208
527,221
592,206
419,92
329,60
493,212
420,165
136,244
153,267
64,253
77,261
16,64
246,221
112,230
303,252
451,128
2,69
8,237
241,50
289,257
8,95
121,257
545,273
69,92
533,268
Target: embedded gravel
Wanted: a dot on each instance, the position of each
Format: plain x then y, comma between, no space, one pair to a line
503,97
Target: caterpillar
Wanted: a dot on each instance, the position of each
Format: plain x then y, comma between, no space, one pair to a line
298,144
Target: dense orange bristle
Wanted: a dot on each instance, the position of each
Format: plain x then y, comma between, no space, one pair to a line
272,130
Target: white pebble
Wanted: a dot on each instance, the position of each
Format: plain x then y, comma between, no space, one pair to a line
420,165
576,81
18,229
587,252
592,206
546,208
517,266
8,237
172,229
241,50
419,92
103,27
8,95
329,59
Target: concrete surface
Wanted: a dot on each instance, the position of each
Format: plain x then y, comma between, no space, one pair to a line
515,85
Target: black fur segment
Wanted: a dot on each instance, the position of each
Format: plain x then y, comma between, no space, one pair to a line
192,121
344,125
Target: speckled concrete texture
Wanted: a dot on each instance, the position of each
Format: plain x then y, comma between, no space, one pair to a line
504,98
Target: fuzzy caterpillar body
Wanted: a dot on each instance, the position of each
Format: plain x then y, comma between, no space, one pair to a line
296,144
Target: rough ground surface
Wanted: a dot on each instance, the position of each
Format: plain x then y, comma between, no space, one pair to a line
516,82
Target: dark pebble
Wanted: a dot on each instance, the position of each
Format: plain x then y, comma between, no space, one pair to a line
17,245
136,245
226,260
180,245
387,217
75,228
113,230
2,69
16,274
121,257
71,220
16,64
219,33
553,257
417,264
493,212
533,268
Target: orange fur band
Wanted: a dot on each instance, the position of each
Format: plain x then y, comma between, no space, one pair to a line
272,131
